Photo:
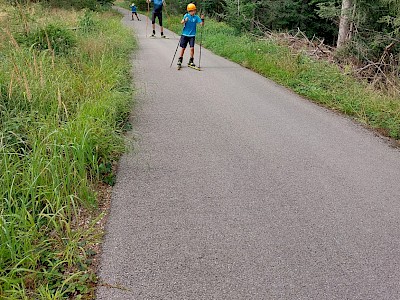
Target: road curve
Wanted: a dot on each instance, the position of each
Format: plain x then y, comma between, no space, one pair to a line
239,189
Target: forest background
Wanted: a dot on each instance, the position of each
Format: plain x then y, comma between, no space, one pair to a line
364,33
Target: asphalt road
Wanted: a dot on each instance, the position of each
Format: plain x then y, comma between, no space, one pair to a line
239,189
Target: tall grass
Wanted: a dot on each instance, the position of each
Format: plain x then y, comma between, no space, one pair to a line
61,114
322,82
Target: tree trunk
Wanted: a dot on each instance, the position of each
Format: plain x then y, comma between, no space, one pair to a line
344,26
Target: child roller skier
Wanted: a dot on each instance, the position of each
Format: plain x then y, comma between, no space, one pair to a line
134,11
190,21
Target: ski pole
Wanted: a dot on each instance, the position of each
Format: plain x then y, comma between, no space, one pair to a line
166,12
148,15
176,50
201,40
177,46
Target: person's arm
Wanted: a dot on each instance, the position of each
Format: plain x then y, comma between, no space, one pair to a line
185,19
200,19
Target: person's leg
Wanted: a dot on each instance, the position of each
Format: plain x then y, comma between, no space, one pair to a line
153,22
180,58
183,43
137,16
161,24
132,16
182,53
191,44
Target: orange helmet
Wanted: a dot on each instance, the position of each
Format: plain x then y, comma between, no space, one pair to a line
191,6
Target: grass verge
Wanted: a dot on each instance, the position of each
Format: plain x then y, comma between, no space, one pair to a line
65,94
322,82
124,4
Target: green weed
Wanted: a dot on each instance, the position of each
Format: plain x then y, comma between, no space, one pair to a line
87,22
64,98
52,37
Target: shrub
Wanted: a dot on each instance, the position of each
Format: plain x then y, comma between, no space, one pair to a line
53,36
87,23
80,4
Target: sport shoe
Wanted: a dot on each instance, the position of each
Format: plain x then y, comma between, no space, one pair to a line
153,35
163,36
191,63
179,61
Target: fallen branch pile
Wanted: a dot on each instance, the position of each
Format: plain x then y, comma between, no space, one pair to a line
383,74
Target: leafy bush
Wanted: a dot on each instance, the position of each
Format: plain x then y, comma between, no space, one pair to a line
52,37
87,23
80,4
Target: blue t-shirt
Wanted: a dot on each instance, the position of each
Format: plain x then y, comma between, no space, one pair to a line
133,8
158,5
190,25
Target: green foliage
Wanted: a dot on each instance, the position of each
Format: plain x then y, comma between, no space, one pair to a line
51,37
107,174
214,8
80,4
67,4
87,22
60,122
247,15
375,25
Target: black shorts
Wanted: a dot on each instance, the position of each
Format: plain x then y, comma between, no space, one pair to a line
187,39
157,14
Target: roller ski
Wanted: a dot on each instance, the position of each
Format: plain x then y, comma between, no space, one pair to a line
192,65
153,36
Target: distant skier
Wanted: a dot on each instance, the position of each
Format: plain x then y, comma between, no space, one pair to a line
157,12
134,11
190,21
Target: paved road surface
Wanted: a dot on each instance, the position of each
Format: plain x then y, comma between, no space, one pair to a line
239,189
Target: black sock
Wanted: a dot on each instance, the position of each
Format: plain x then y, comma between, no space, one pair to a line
162,33
154,32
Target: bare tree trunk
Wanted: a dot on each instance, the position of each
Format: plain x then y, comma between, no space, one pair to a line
344,26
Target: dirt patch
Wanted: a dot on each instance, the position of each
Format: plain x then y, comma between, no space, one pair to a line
104,192
91,223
